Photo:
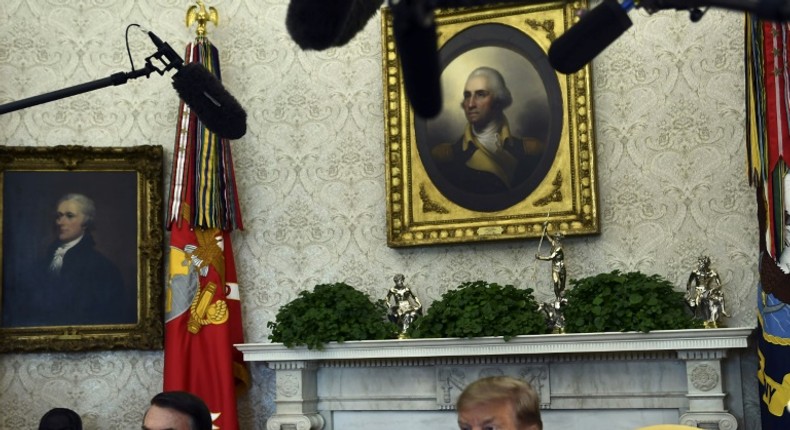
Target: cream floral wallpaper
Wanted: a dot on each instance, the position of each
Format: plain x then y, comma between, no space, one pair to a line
670,128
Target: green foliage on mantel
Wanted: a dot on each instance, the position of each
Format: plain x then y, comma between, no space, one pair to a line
331,313
477,309
608,302
630,301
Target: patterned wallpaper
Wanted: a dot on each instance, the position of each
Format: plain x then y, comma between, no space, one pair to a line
670,121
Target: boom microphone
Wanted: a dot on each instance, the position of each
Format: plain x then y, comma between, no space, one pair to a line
596,30
216,108
164,49
322,24
196,86
415,39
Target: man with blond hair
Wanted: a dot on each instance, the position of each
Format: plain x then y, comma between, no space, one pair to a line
499,402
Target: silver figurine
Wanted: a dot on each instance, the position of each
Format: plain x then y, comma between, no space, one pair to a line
704,294
554,311
404,306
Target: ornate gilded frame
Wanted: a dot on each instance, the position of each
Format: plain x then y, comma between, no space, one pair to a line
562,190
120,179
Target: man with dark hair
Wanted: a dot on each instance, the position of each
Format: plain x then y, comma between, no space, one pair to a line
177,410
499,402
60,419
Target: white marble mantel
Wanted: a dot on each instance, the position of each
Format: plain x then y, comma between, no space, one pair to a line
676,370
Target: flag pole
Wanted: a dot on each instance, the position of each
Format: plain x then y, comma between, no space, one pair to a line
203,307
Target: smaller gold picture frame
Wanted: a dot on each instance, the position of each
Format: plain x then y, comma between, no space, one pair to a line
106,293
426,205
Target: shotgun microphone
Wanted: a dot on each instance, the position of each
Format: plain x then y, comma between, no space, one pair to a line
596,30
214,106
415,39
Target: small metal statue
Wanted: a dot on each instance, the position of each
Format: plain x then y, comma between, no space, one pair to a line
557,258
554,310
406,307
704,295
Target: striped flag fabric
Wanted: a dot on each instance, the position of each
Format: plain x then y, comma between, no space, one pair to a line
768,84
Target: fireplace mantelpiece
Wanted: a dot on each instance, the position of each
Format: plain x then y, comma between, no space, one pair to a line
680,370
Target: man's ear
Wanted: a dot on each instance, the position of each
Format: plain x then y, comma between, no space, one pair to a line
532,427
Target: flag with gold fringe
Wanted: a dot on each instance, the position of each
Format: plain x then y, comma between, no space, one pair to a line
202,306
768,83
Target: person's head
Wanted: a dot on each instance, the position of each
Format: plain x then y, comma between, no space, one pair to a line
74,216
500,402
177,410
485,96
60,419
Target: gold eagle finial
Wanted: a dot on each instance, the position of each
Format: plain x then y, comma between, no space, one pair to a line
202,16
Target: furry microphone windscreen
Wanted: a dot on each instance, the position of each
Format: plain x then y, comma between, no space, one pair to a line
216,108
322,24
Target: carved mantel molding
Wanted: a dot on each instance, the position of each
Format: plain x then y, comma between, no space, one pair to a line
687,362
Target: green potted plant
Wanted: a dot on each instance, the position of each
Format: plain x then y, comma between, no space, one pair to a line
630,301
331,312
476,309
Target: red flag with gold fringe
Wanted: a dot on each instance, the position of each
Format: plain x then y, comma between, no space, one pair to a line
202,306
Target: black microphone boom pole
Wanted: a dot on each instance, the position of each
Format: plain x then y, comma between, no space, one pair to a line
164,54
114,79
